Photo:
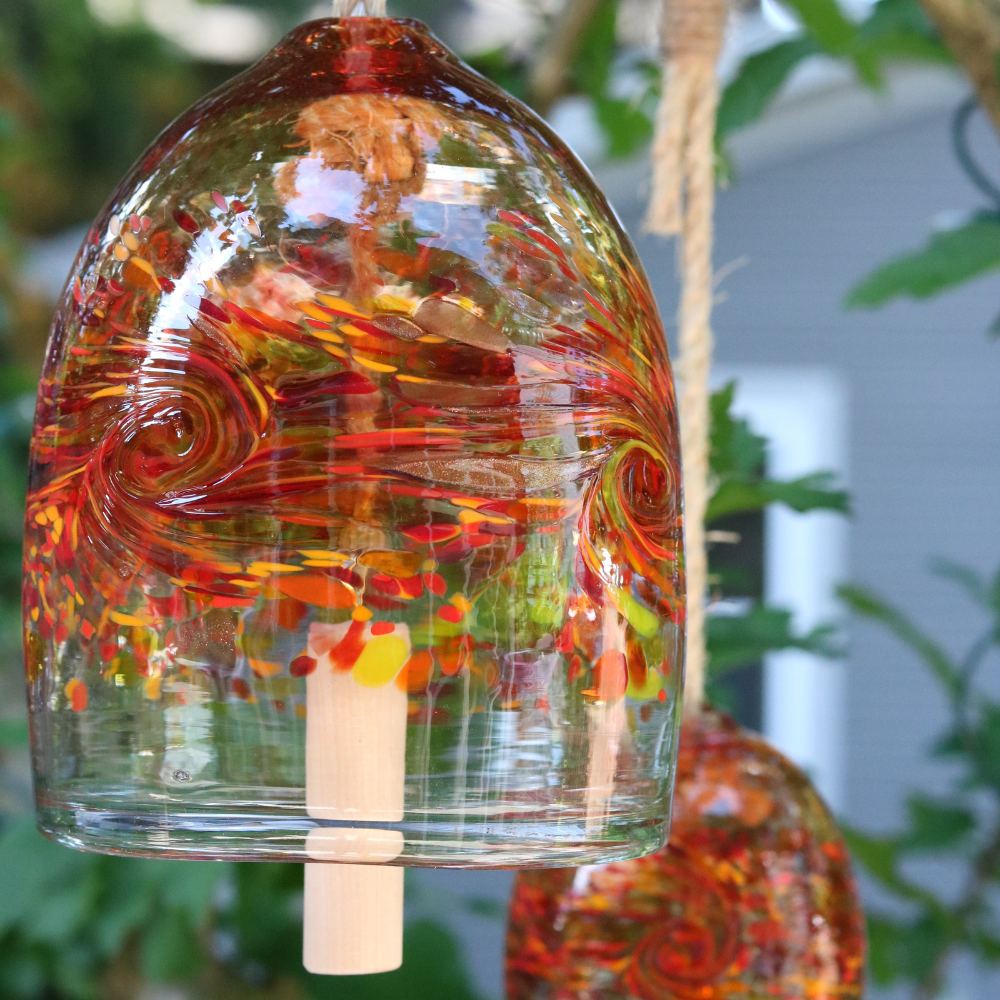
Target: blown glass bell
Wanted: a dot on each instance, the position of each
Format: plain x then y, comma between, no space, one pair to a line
752,897
353,530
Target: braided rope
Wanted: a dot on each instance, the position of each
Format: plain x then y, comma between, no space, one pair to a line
682,204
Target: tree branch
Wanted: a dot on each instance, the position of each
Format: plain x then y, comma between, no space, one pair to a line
549,74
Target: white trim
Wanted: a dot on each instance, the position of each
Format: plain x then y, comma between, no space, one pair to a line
803,414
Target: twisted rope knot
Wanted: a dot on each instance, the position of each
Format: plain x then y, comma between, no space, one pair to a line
693,28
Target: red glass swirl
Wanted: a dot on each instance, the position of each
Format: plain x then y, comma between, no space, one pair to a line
753,895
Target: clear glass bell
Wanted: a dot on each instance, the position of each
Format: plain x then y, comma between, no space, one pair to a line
354,510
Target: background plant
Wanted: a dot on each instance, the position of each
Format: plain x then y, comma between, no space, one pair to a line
962,827
740,485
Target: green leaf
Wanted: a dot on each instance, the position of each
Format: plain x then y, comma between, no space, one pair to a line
737,459
888,17
734,448
813,492
824,20
23,975
985,946
187,886
984,745
879,855
994,595
503,68
951,744
733,641
596,53
483,906
126,909
905,46
883,950
868,604
967,578
33,869
935,825
759,82
949,259
899,29
625,126
266,916
169,949
902,950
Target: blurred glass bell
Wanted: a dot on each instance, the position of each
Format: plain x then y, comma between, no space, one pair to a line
752,897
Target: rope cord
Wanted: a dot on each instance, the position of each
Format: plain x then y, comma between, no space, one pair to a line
371,8
682,204
963,153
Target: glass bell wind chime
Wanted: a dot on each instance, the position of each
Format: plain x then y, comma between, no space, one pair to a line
353,531
753,896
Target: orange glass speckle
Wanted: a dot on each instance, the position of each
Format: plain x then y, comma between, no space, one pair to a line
752,897
356,376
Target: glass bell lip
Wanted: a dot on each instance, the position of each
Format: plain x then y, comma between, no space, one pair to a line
354,520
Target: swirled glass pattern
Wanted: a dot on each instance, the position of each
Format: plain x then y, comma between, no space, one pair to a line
752,897
355,453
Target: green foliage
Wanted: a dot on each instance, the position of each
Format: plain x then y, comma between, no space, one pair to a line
74,924
737,461
894,30
949,259
504,68
759,81
89,97
65,917
936,825
962,826
869,605
626,123
736,640
432,969
812,492
623,85
899,29
13,734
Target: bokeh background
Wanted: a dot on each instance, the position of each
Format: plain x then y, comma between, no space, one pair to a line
833,161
